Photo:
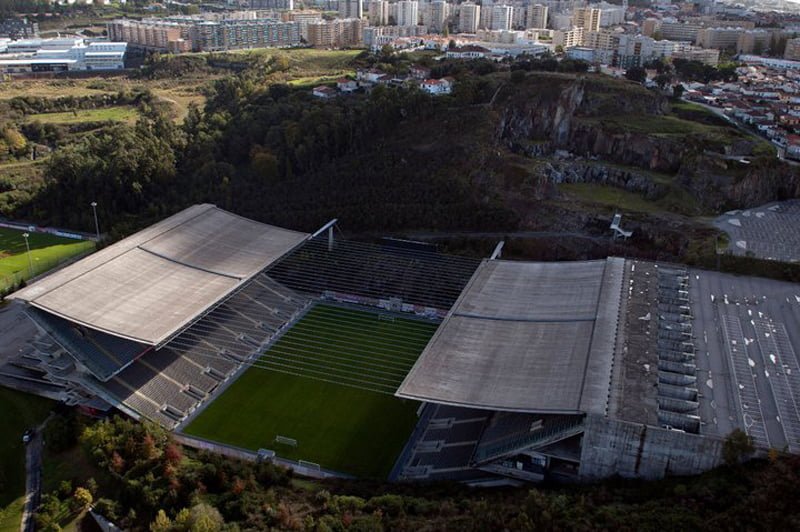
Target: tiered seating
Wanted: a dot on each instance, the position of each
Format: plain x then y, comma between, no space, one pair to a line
166,385
103,354
444,448
372,271
234,330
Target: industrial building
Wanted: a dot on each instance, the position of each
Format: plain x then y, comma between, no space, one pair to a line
60,55
565,371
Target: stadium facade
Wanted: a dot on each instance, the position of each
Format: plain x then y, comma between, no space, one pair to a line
537,371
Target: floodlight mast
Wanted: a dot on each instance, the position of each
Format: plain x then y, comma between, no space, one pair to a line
498,249
28,247
329,226
96,225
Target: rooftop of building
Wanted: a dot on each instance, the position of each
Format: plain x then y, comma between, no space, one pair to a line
526,337
150,285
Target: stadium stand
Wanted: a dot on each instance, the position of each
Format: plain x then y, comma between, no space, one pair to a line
375,272
168,384
444,447
103,354
508,433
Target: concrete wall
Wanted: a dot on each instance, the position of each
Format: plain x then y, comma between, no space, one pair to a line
613,447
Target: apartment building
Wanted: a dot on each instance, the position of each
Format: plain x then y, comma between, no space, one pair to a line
709,56
537,16
587,18
435,15
568,38
351,9
679,31
303,17
236,35
792,52
407,13
338,33
378,11
722,38
754,41
502,17
151,34
469,17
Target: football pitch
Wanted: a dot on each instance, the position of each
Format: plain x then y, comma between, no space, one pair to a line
327,383
47,251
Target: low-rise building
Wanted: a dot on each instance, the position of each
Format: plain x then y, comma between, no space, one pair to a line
346,85
323,91
437,86
72,55
468,52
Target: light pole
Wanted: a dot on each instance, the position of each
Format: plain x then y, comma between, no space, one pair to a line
28,247
96,225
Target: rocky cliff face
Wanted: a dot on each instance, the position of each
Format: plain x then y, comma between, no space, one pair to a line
558,172
553,112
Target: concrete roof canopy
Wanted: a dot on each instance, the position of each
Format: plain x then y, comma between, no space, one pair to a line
152,284
526,337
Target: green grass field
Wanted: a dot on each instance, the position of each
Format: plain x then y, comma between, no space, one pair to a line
79,116
18,411
47,251
296,391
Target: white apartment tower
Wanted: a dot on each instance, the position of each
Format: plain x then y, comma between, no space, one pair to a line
435,15
469,16
502,17
537,16
407,13
351,8
587,18
379,13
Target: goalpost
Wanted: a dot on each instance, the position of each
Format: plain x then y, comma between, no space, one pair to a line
291,442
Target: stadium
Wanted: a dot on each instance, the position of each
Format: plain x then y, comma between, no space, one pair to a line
393,360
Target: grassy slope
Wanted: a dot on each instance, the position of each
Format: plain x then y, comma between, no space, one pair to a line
112,114
46,251
609,196
19,412
339,427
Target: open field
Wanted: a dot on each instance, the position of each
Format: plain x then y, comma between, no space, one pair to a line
50,88
296,390
106,114
609,196
19,412
46,252
308,58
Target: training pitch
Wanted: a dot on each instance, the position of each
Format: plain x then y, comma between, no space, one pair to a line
327,383
47,251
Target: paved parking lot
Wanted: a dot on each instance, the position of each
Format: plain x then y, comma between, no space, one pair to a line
771,231
747,333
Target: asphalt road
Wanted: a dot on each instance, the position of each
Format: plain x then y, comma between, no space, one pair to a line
33,478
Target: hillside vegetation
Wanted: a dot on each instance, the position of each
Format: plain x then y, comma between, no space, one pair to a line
145,481
506,152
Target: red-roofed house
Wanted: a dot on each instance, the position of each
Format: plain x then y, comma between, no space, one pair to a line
437,86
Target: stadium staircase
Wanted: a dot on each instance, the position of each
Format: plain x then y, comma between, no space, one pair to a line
510,433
